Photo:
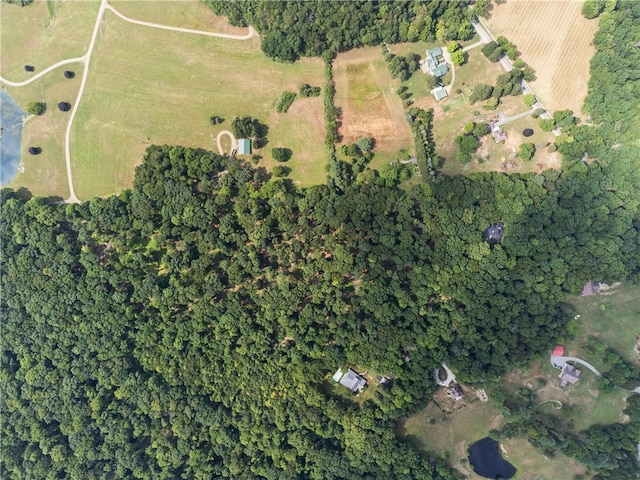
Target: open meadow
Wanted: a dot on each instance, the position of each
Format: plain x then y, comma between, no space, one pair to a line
137,96
45,174
556,40
178,13
366,97
448,434
43,33
613,316
582,404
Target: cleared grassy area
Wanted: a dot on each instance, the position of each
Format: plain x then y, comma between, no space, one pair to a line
137,96
366,96
291,130
43,33
45,174
449,436
532,464
617,324
192,14
583,404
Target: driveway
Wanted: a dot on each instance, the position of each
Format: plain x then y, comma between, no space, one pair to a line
559,362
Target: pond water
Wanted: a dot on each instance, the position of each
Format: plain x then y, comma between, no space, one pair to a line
11,137
487,461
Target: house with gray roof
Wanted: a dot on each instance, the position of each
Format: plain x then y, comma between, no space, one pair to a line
353,381
569,375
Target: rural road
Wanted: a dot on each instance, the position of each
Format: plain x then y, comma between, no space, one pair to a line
252,33
234,143
559,361
447,59
85,59
43,72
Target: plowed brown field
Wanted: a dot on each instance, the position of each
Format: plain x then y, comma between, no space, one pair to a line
556,40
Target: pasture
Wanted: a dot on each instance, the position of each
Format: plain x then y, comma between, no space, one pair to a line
555,39
583,404
45,174
613,317
449,435
366,97
137,96
43,33
193,14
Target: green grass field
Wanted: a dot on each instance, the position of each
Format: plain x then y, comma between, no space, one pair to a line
186,14
450,435
137,96
45,174
43,33
366,96
617,324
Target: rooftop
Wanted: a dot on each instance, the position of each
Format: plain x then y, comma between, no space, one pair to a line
569,374
439,93
353,381
244,146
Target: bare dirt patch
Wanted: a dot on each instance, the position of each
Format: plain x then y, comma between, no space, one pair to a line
556,40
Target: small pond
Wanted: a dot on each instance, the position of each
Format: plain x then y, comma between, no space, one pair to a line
487,462
11,137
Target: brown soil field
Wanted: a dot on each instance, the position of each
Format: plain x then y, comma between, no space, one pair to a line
556,40
365,94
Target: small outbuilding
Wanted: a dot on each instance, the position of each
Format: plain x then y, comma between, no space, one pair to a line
353,381
439,93
569,375
244,146
558,351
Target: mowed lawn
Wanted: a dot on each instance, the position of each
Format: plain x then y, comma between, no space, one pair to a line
366,96
614,317
148,86
186,14
450,435
555,39
45,174
43,33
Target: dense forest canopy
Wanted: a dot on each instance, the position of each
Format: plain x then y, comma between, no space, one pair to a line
300,28
187,328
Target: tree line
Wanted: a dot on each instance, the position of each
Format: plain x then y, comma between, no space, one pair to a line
298,28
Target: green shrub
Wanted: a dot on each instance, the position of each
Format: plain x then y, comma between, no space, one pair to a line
37,108
284,101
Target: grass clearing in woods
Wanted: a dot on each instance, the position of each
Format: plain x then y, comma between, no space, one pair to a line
136,96
366,96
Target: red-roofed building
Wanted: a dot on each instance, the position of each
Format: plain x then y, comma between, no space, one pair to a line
558,350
